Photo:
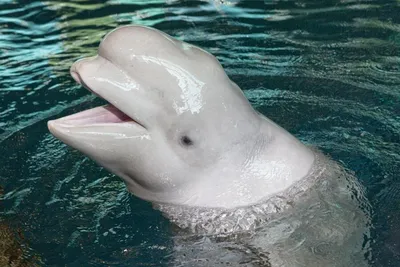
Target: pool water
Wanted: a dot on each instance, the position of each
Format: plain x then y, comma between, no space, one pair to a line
327,71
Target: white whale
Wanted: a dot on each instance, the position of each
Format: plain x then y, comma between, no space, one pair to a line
182,135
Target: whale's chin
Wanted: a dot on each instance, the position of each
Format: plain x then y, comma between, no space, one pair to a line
107,114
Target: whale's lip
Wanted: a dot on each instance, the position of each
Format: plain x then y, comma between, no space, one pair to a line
102,115
107,114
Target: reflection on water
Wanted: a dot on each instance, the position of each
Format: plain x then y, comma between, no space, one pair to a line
328,71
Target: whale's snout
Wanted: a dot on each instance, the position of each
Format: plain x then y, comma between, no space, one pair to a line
83,66
75,74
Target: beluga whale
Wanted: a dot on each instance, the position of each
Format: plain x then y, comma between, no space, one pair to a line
182,135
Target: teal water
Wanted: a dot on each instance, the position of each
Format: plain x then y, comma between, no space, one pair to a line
327,71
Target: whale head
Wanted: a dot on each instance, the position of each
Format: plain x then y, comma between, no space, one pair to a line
177,129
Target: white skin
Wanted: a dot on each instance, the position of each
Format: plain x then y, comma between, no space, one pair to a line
178,130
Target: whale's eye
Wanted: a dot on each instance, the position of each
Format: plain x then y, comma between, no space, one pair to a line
186,141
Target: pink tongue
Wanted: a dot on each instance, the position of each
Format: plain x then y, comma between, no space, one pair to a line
103,114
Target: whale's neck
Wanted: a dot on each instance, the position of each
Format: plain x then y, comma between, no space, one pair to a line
283,148
203,220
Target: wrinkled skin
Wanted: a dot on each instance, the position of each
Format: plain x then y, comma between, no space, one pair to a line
182,135
326,224
179,131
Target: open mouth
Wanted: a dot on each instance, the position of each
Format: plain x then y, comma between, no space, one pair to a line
106,114
99,115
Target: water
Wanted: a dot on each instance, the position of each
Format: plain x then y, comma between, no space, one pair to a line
327,71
